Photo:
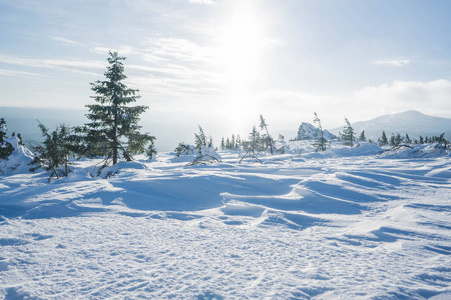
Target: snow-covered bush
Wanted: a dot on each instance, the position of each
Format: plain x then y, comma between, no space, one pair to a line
17,162
53,154
206,155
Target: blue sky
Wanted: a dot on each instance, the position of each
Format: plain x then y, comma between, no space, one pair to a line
222,63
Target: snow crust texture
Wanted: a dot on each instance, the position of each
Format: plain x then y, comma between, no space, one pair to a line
344,224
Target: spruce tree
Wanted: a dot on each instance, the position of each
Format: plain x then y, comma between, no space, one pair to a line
5,148
407,139
321,143
200,140
53,154
114,131
392,140
362,136
254,139
267,139
398,139
348,135
383,141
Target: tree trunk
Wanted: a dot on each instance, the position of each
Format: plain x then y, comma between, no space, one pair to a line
115,141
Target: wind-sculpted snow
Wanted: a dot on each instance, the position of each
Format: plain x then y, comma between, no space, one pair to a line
323,226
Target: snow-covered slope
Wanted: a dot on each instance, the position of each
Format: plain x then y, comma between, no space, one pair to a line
307,131
411,122
348,223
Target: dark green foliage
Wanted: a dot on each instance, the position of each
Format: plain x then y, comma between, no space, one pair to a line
267,140
183,148
200,140
392,140
362,136
407,139
383,141
5,148
348,135
113,130
254,141
321,143
53,154
421,141
151,150
398,139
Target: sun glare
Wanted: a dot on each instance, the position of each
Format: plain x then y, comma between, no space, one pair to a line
241,52
242,44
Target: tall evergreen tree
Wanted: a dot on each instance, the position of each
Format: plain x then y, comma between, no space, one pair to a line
114,131
348,135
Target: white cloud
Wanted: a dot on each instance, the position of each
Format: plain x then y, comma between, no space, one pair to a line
6,72
393,62
209,2
75,66
64,40
429,97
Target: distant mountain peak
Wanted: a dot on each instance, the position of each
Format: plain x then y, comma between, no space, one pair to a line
412,122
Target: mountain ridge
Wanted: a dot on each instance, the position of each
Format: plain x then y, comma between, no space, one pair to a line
412,122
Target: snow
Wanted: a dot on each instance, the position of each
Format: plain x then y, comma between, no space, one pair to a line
14,141
349,223
17,162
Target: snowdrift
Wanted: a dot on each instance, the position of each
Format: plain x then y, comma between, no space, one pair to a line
347,223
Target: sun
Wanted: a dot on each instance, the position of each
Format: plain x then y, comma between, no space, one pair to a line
242,49
243,41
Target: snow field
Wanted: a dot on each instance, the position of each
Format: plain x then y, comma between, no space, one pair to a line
323,226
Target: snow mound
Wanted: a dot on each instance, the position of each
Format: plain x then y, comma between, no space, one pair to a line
416,151
18,162
120,166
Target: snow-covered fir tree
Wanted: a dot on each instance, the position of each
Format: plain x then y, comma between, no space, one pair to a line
348,135
200,139
383,141
114,131
321,143
5,148
362,136
54,153
266,137
407,139
254,140
398,139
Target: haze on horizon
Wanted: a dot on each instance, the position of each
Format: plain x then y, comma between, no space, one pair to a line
222,63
